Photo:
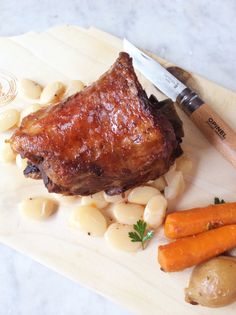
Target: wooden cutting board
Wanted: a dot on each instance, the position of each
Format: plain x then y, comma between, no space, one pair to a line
134,280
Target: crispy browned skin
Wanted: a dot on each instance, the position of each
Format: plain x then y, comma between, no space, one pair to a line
107,137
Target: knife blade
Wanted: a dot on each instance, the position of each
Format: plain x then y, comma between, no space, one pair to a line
154,72
211,124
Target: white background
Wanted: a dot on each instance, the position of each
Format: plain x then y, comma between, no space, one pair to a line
199,35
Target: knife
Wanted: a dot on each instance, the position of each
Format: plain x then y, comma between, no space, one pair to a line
218,133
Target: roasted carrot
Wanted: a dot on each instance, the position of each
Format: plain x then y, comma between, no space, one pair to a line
192,250
189,222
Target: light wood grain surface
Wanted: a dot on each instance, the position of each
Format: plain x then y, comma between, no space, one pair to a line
134,280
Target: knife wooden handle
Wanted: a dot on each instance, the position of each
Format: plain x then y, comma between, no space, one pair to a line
216,130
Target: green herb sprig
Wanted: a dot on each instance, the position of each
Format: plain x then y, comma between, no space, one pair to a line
217,201
141,234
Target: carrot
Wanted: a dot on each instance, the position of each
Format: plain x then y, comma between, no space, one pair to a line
192,250
197,220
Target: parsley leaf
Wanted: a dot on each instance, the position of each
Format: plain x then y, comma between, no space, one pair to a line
217,201
141,235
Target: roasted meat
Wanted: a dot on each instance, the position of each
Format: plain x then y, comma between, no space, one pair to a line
109,136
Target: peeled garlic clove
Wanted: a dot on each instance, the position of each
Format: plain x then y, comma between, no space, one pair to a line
142,194
96,200
117,236
6,153
30,89
74,87
159,183
155,211
176,186
128,213
89,219
8,119
38,208
52,93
